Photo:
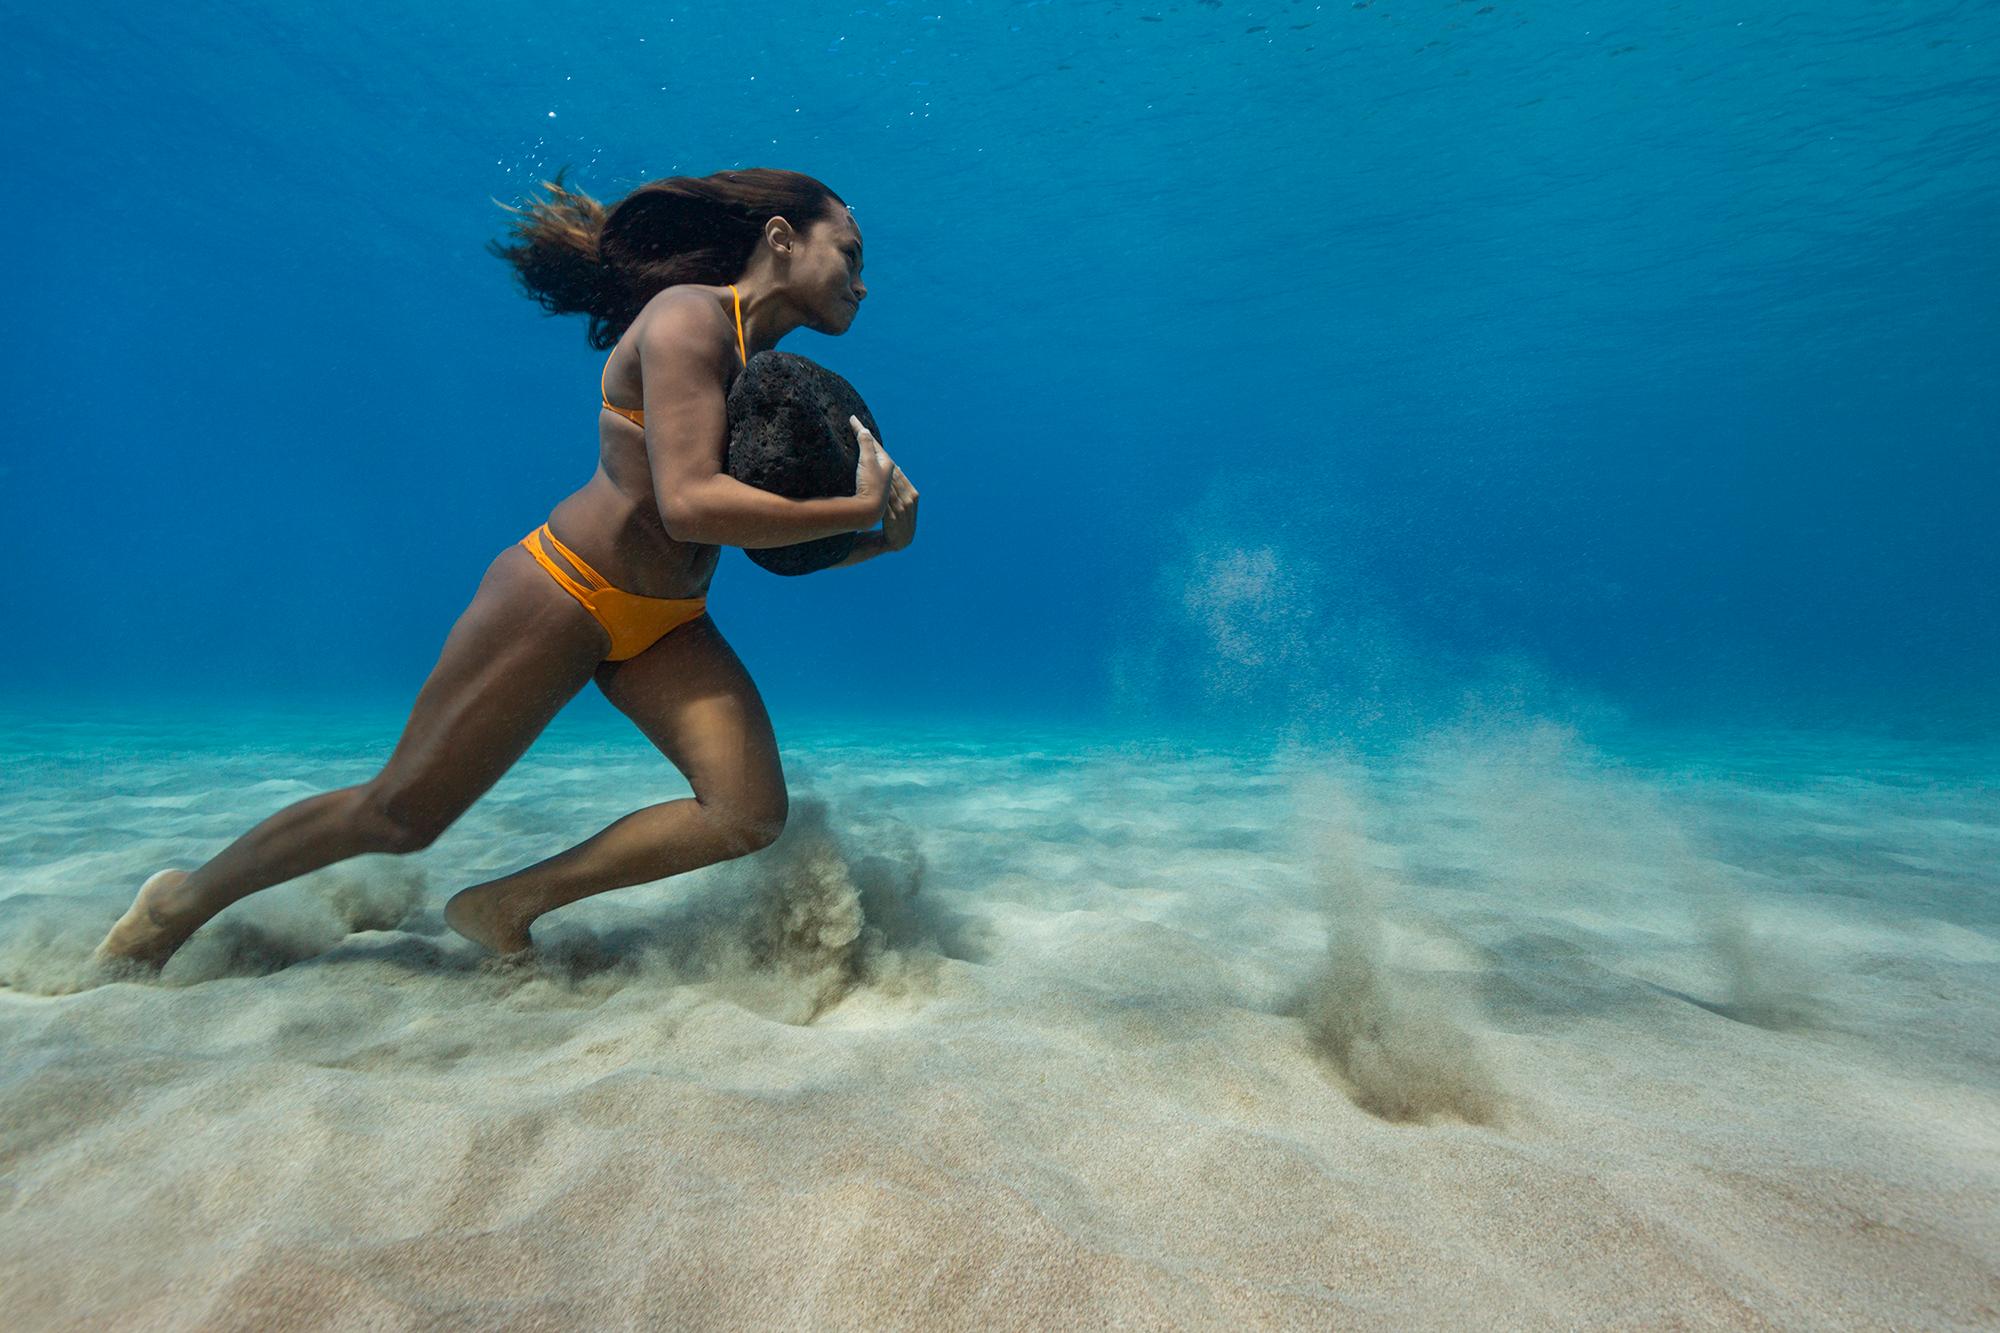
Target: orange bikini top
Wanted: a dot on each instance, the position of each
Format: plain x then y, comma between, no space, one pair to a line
637,415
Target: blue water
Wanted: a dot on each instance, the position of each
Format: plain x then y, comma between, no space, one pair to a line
1642,358
1435,760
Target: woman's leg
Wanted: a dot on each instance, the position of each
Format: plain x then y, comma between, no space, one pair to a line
518,653
691,696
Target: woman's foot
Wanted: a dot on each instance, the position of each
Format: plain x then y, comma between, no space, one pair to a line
480,916
155,925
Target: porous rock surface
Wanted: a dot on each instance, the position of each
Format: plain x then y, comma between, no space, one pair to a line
788,434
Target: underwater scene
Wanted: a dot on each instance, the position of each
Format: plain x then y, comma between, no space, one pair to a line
1431,761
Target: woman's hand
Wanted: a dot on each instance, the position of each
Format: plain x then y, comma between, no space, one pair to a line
899,520
872,471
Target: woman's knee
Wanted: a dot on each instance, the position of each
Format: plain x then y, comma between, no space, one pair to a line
751,825
392,820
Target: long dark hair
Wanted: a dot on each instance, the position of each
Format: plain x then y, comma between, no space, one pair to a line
577,257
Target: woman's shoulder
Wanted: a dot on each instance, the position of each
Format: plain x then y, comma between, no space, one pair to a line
684,319
685,293
685,307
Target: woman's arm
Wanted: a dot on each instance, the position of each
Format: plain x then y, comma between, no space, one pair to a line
722,511
867,545
687,438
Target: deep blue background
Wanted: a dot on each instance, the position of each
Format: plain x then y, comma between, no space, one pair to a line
1645,355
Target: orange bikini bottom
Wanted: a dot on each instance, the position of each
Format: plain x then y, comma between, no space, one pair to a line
634,623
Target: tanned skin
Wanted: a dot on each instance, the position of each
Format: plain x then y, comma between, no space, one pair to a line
653,521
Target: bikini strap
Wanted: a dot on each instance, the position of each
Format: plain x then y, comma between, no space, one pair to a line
596,580
635,415
739,323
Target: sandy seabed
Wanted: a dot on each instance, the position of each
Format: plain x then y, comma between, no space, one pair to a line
1498,1028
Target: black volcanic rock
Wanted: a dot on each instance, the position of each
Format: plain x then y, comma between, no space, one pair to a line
788,434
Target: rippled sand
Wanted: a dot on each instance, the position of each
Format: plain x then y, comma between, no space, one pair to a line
1491,1029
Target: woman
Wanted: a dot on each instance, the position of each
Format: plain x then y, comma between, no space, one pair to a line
683,280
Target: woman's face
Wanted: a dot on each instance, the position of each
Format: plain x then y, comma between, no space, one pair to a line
832,272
